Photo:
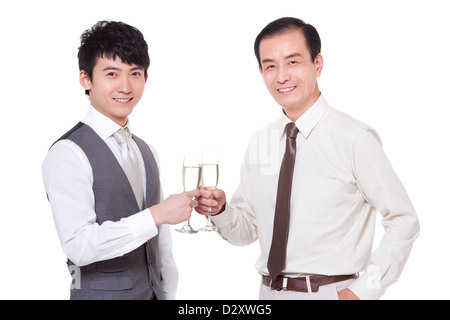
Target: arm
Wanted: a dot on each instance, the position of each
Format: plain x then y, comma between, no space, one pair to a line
68,180
381,188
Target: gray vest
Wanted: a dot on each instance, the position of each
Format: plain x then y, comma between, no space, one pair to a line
137,274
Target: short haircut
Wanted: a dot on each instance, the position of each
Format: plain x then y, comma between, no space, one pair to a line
284,25
111,39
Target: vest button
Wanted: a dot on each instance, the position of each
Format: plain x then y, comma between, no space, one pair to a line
153,283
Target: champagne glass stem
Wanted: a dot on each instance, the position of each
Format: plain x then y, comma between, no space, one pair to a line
209,225
188,222
187,226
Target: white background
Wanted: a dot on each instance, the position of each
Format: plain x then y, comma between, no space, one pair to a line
386,63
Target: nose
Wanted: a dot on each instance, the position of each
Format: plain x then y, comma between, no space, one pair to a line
283,75
124,85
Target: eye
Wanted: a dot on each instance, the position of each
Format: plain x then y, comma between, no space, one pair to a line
111,74
136,74
293,62
269,67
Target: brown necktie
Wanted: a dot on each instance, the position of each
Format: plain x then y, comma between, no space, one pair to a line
277,254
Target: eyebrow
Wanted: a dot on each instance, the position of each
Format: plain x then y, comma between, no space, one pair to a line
293,55
267,61
111,68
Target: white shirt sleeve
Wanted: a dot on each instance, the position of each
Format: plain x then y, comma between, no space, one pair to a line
382,189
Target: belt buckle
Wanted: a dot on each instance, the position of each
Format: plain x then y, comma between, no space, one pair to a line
284,285
285,282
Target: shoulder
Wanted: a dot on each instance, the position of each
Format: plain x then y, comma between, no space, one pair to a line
65,157
70,132
346,121
348,126
64,149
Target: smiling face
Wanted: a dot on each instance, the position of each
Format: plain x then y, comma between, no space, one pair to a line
115,88
289,73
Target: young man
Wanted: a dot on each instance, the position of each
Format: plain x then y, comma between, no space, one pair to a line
312,201
103,182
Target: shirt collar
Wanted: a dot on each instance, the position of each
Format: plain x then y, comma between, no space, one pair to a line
101,124
308,121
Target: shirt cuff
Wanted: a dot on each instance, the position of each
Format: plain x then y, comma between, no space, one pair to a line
143,225
222,218
368,286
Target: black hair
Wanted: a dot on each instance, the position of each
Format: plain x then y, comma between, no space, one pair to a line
287,24
111,39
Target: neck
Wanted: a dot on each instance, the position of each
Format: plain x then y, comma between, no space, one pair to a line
296,111
120,120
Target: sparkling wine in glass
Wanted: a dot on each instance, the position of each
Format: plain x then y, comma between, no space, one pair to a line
192,173
209,181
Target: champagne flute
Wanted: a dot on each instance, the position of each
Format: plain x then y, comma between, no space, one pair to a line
192,172
210,178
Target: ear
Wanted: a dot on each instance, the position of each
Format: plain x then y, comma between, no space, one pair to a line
85,81
260,70
146,77
318,61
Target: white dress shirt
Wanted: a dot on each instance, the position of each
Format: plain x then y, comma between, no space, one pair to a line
341,178
68,179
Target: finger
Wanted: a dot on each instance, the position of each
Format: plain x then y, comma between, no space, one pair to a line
205,193
201,209
207,202
194,203
193,193
202,212
217,193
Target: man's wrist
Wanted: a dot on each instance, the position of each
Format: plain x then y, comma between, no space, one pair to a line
222,210
156,217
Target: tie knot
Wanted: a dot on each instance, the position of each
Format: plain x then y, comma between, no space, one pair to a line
122,135
291,130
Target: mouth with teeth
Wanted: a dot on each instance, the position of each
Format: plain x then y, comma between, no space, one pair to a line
122,100
285,90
